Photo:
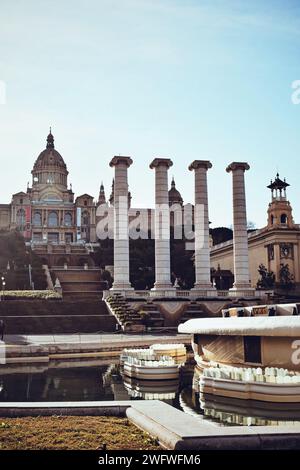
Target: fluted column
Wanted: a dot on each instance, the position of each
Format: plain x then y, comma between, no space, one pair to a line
162,224
201,222
121,240
240,235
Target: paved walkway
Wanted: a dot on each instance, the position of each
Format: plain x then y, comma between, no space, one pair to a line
100,339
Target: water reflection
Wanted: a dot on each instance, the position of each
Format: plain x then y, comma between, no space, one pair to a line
226,411
103,379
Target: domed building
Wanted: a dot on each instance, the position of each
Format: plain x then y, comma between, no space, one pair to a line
174,195
59,226
48,215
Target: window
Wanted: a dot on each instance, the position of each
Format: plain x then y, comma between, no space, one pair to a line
283,219
69,237
85,218
37,219
272,219
21,218
68,219
53,219
53,237
252,349
37,237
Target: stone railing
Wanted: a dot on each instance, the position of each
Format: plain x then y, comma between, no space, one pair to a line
192,295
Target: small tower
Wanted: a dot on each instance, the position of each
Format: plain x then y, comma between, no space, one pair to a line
101,198
280,210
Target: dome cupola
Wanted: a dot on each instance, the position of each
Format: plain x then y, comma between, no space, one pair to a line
174,195
49,167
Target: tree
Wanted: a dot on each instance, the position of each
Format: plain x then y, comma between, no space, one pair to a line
251,225
221,234
15,258
267,278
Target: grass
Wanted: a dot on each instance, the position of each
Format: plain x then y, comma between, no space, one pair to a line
72,433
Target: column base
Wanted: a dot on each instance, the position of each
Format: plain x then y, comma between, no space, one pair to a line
121,287
163,290
159,286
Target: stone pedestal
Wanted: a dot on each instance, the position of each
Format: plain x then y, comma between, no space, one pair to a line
121,240
242,284
162,225
203,283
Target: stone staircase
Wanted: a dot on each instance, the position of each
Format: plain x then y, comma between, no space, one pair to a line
156,318
79,283
192,311
128,318
56,317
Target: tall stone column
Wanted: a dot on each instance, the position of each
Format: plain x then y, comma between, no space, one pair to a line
121,239
201,222
162,225
240,235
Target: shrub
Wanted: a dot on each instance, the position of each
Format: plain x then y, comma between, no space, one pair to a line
30,295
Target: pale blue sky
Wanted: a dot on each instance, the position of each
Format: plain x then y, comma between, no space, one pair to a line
185,79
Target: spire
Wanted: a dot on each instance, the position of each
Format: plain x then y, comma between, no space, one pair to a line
112,194
102,198
50,140
173,185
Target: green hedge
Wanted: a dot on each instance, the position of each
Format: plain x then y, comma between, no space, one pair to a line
30,295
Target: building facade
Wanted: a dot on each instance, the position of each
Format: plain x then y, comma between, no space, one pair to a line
57,224
275,246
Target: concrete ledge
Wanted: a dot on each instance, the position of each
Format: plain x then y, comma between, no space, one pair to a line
86,408
180,431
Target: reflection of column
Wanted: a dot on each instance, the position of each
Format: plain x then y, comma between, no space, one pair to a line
162,224
201,220
240,235
121,241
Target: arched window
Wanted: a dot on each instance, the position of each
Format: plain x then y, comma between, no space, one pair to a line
37,219
272,219
68,219
283,219
53,219
21,219
85,218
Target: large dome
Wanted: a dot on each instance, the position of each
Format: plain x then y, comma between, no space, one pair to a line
49,157
174,195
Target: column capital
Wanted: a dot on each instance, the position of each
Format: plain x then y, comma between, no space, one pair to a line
161,162
121,159
238,166
200,164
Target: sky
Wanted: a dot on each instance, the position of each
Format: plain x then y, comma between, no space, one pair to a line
183,79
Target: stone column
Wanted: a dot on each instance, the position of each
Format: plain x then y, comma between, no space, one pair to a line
162,225
240,235
121,239
201,222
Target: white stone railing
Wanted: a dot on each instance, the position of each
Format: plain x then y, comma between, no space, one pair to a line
189,294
